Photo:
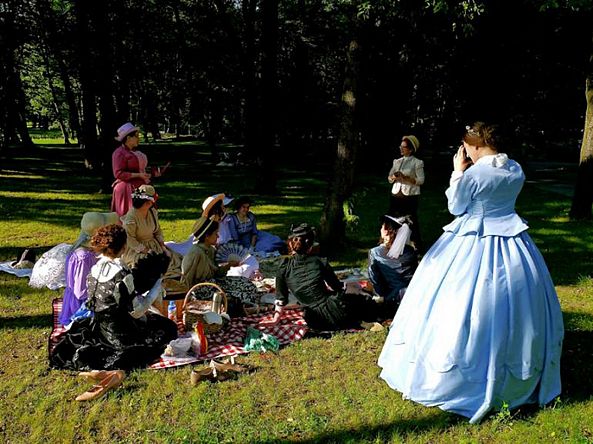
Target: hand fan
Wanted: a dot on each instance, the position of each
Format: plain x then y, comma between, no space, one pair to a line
230,252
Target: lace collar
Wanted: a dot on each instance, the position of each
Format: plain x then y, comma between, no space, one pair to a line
106,268
495,160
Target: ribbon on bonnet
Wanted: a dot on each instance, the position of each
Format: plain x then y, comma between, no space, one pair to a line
90,222
402,238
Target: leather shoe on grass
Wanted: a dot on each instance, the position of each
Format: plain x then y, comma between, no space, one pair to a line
94,375
112,379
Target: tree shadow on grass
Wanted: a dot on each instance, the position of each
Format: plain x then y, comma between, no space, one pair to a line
10,253
382,433
576,362
19,322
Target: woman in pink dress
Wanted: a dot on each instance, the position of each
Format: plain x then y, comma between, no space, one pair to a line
129,167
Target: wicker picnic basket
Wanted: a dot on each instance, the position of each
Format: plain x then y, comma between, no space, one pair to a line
195,309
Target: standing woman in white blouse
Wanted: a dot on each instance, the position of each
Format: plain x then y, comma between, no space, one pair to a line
480,327
407,175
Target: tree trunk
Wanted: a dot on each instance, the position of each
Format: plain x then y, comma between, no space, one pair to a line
4,108
21,110
178,95
266,177
332,227
73,116
107,123
583,192
88,133
54,95
149,112
214,122
49,37
250,113
11,90
7,67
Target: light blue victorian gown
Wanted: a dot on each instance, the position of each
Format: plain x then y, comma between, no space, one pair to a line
481,323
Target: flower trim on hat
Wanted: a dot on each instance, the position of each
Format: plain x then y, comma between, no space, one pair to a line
137,194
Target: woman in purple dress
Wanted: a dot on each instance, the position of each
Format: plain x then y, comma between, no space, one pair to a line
79,262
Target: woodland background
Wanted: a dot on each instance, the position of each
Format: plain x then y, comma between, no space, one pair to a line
304,80
307,96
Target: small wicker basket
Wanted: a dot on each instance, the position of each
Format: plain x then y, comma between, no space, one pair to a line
194,309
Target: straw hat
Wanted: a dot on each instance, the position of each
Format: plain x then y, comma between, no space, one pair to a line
91,222
146,192
413,140
200,226
124,130
210,202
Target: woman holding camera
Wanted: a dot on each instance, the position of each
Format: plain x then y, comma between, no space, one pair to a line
480,325
407,176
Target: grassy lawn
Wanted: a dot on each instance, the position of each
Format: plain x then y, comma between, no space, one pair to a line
316,390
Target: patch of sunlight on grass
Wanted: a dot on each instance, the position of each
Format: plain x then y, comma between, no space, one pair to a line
51,140
559,219
66,195
264,210
294,197
20,175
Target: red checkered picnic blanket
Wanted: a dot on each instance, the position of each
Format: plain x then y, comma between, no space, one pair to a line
227,342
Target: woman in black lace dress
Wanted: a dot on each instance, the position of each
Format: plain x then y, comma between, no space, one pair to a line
113,339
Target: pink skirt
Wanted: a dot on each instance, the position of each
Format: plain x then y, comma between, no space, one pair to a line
121,200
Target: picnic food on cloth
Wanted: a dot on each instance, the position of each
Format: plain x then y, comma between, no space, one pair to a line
202,311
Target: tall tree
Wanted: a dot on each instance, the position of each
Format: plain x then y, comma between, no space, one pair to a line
15,20
85,57
55,26
103,31
583,193
332,226
248,62
266,176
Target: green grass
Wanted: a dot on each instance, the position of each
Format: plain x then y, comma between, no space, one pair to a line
316,390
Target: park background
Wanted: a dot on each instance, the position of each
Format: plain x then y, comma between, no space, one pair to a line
305,102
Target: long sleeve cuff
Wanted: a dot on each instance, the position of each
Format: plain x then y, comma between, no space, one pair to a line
455,176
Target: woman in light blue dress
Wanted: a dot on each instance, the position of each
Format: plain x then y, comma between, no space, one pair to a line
243,230
481,324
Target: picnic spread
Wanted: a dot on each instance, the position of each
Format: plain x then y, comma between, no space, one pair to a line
230,340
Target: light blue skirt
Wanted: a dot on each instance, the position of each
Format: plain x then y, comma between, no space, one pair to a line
480,325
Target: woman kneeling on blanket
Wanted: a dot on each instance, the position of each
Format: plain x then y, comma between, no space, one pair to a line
308,277
199,265
118,337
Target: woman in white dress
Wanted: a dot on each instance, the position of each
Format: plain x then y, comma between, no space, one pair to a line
481,324
407,176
